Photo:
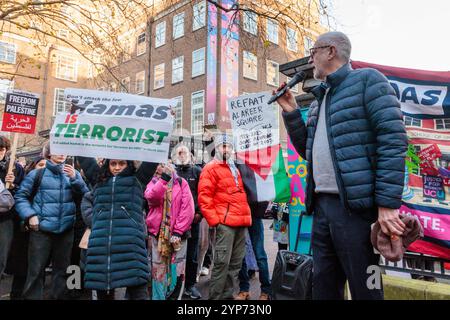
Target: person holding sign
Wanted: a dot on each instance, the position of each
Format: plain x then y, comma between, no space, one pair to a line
45,201
116,254
223,203
355,143
169,220
7,222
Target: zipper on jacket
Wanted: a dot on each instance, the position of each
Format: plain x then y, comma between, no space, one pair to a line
110,234
129,215
339,181
226,214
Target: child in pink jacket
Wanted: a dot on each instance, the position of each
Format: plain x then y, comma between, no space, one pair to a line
171,212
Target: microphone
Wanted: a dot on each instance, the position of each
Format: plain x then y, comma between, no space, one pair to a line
298,77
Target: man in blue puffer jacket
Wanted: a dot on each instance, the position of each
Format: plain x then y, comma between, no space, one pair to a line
355,143
51,216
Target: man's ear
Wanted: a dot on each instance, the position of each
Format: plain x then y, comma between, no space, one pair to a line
332,53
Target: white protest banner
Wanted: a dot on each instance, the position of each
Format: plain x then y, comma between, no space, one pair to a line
254,122
113,125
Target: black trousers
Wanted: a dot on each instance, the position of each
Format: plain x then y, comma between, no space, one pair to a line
191,256
342,251
42,246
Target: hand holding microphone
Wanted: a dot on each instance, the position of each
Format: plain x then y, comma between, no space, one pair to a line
283,95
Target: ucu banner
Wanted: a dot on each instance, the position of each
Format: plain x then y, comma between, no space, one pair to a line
425,102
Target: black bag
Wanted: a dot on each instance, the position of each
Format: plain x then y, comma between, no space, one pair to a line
292,273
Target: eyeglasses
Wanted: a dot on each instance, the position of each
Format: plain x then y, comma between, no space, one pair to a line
313,50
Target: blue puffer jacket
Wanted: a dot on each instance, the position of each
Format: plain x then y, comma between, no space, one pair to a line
53,203
366,134
116,254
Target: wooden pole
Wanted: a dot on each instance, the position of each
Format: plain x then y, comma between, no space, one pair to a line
12,159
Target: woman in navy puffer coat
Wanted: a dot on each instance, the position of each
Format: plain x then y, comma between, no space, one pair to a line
117,254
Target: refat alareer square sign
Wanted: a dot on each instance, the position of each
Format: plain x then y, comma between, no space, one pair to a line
20,112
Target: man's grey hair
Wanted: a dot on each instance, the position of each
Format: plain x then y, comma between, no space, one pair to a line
338,40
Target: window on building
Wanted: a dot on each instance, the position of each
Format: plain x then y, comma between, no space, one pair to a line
5,84
125,85
291,39
409,121
159,76
7,52
294,88
197,107
178,109
160,34
66,68
199,13
59,103
178,25
250,66
251,22
308,42
63,33
198,62
177,69
273,77
140,82
272,31
441,124
141,45
112,87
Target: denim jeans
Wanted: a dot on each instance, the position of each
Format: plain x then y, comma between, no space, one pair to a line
6,237
342,251
256,232
42,246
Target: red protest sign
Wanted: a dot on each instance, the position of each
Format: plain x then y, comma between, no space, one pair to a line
431,153
20,112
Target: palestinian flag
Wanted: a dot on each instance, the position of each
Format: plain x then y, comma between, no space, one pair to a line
264,174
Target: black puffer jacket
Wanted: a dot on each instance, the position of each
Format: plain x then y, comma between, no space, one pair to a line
191,173
366,134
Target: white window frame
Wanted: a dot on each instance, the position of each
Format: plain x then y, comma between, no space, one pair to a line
291,40
160,34
308,43
195,108
247,64
57,101
178,27
272,31
127,83
5,84
443,123
10,49
277,74
177,69
199,15
178,119
62,75
141,46
140,74
198,58
161,85
63,33
251,22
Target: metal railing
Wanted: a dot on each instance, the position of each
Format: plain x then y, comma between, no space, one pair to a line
418,264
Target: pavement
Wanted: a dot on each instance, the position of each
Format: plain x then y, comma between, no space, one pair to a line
271,250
